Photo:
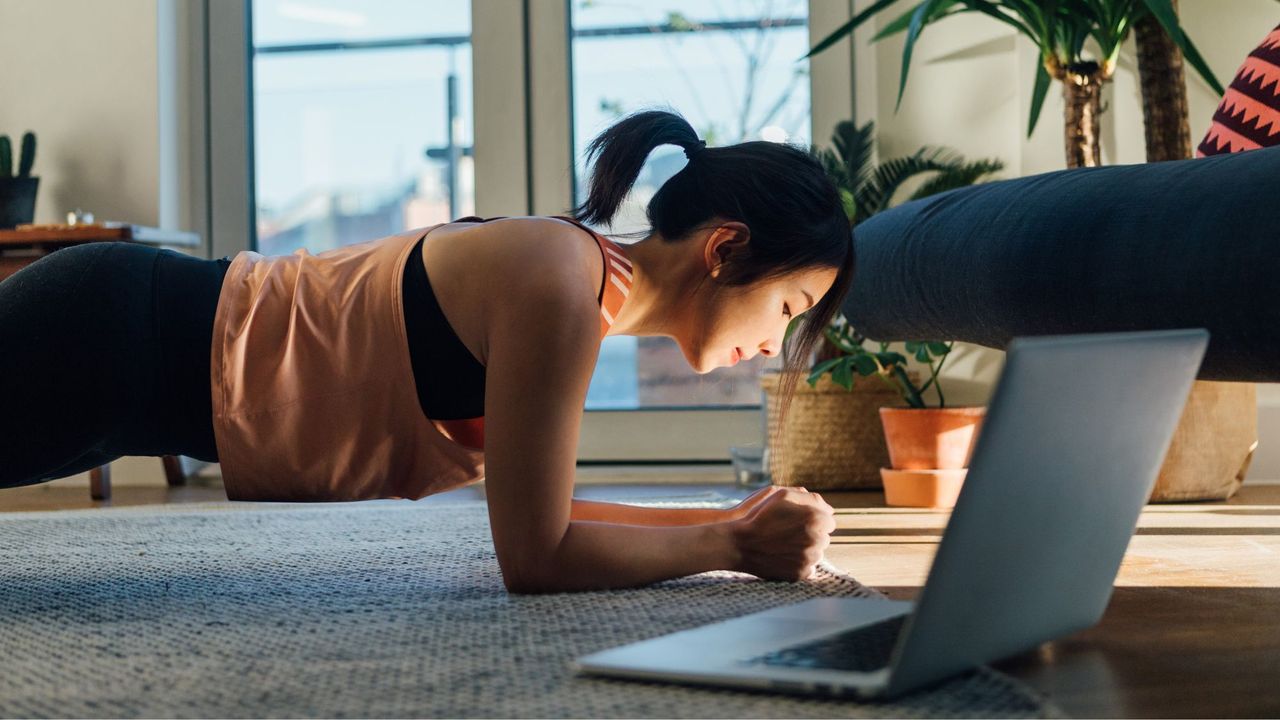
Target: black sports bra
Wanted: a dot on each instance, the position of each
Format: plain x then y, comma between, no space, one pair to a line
453,380
448,379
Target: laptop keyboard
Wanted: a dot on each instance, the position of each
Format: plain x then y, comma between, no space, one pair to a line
862,649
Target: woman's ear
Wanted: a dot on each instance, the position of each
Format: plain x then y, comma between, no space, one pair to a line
724,240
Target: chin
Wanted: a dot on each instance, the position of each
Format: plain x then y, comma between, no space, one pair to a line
698,365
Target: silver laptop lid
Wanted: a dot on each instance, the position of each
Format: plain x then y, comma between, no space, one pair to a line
1074,438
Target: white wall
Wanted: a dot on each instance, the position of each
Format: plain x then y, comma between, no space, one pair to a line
83,75
970,88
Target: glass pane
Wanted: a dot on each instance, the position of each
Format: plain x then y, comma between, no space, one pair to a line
362,119
730,67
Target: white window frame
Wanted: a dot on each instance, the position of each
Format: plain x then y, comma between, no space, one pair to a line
523,164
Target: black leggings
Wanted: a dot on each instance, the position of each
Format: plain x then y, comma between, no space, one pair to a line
104,352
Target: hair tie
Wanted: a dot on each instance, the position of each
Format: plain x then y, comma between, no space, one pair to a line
696,149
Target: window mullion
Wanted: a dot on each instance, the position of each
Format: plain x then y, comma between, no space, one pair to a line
498,76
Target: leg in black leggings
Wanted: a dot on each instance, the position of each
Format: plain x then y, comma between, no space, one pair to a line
104,352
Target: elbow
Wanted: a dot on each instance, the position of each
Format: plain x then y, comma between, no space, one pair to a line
532,569
528,584
529,578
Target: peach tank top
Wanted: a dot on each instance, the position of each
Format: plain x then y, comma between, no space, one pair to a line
313,391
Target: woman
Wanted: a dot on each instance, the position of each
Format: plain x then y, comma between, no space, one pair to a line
350,375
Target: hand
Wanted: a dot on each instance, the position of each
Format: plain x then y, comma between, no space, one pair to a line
783,535
742,509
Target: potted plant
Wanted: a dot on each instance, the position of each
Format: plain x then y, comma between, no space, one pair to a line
17,193
835,438
928,447
1217,433
1060,32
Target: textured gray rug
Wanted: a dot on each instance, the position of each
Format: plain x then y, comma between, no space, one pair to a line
358,609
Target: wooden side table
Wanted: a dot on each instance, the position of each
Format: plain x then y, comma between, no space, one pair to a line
25,244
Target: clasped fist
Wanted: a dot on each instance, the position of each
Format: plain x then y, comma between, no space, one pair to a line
781,532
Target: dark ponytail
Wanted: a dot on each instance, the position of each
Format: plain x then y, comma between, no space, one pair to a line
618,154
780,192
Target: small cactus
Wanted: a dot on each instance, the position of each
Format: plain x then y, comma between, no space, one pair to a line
28,154
25,162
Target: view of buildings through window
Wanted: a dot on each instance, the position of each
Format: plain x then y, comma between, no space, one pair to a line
362,119
731,69
363,127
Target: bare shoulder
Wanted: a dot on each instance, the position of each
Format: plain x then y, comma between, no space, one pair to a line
542,252
550,274
485,274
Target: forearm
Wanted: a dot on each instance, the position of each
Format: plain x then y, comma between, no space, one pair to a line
588,510
601,556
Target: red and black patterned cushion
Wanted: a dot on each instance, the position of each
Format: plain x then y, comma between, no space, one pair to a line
1249,115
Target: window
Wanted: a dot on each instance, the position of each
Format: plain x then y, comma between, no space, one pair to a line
362,119
730,68
352,140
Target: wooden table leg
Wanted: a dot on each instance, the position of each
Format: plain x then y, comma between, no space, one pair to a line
100,482
173,470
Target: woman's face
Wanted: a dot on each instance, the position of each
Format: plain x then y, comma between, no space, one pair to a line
752,318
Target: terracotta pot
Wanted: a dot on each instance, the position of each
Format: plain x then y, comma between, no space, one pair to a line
931,438
922,488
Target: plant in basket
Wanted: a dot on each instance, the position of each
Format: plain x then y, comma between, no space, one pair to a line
927,447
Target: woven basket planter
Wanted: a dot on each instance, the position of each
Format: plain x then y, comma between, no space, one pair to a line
833,439
1212,445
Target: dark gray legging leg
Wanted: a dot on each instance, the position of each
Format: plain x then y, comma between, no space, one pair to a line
58,388
84,463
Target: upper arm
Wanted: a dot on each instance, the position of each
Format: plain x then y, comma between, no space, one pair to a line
543,340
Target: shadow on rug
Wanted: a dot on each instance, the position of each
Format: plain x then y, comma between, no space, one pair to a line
343,610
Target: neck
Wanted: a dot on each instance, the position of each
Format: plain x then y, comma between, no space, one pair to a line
662,278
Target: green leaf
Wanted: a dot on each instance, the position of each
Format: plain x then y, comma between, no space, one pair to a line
891,358
876,194
993,10
924,13
938,348
791,328
843,376
904,21
848,27
1038,94
847,203
865,365
1164,12
826,365
900,24
959,177
854,146
909,391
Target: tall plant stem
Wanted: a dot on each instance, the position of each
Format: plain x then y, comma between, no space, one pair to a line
1164,91
1082,93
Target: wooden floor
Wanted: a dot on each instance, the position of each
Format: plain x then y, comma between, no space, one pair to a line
1193,628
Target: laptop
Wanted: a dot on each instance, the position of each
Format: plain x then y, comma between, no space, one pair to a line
1074,437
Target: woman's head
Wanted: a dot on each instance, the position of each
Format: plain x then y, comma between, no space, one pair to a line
770,222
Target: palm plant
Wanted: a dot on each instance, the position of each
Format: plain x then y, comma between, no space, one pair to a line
1060,29
866,189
